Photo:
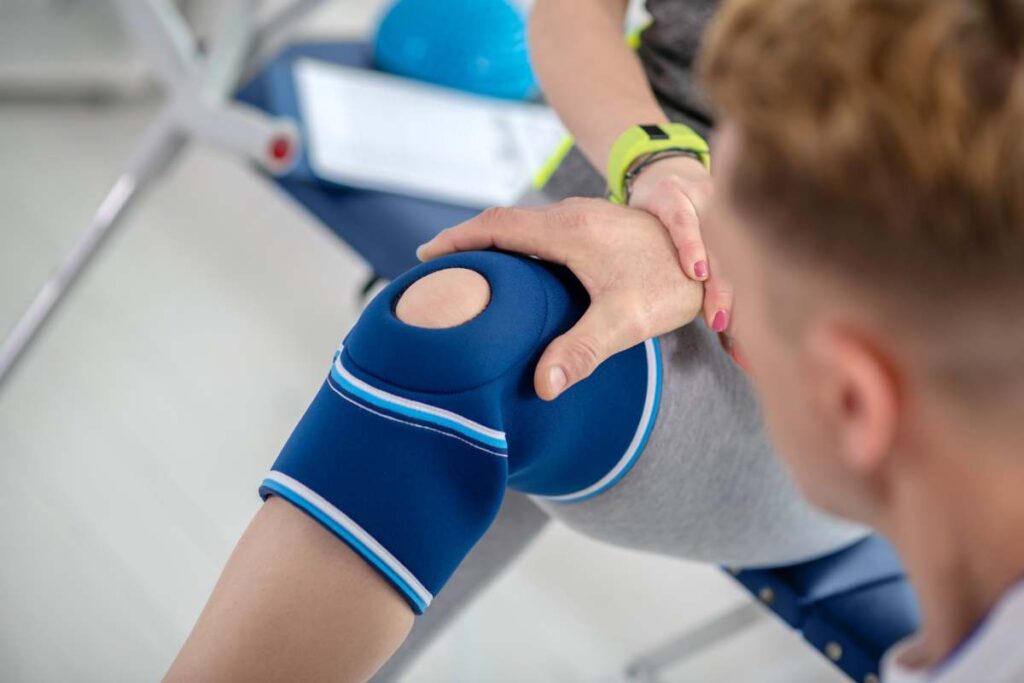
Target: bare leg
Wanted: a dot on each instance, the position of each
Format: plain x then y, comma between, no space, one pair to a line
296,604
293,604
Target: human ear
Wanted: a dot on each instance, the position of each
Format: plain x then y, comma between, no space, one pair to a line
855,391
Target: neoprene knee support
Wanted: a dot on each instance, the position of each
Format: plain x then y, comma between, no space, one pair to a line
406,451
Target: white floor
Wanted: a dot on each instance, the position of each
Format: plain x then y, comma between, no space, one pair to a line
134,436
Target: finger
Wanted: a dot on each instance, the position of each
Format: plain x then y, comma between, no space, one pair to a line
680,217
604,330
519,229
717,303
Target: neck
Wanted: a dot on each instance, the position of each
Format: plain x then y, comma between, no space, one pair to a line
957,521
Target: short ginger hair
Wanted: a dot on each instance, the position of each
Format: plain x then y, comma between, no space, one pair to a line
883,141
881,137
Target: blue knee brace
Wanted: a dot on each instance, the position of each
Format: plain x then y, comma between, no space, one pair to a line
406,451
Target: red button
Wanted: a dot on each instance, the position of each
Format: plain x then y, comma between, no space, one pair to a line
280,149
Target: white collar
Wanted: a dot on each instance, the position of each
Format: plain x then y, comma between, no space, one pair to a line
993,650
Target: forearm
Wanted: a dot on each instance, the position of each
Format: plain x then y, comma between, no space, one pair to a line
590,76
293,604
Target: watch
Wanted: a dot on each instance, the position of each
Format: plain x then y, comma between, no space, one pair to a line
647,140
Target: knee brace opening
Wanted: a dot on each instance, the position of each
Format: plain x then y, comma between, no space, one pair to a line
444,299
511,295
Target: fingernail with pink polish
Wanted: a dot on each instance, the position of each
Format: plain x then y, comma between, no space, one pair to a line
720,322
700,269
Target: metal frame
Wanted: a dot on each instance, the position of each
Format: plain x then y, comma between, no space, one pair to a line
647,667
199,106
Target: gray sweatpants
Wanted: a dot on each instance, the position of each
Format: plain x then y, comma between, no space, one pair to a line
707,486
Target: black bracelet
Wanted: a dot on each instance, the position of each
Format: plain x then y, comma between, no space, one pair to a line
653,158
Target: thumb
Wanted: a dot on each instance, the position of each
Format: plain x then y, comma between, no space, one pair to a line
572,357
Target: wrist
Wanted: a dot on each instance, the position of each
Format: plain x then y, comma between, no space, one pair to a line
640,142
649,170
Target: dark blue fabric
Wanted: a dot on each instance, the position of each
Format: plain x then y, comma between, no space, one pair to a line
427,492
483,370
425,497
437,361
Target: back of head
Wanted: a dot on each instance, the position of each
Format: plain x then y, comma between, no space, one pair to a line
883,141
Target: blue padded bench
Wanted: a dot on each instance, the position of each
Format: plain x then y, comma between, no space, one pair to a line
851,605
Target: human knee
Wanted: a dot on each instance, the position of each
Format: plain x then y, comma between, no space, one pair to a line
412,418
433,413
444,298
476,359
455,324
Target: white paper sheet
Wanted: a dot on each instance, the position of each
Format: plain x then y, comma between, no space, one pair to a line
373,130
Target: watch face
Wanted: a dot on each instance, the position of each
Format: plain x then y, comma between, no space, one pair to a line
654,132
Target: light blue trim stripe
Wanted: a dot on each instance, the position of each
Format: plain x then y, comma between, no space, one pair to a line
418,604
412,423
654,347
417,410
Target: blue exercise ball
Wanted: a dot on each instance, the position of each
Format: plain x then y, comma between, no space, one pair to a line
474,45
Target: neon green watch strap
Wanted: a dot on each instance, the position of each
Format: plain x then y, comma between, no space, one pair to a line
645,139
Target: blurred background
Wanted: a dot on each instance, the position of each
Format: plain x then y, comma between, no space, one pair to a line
135,433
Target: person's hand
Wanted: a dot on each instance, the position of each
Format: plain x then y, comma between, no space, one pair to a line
678,191
623,257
